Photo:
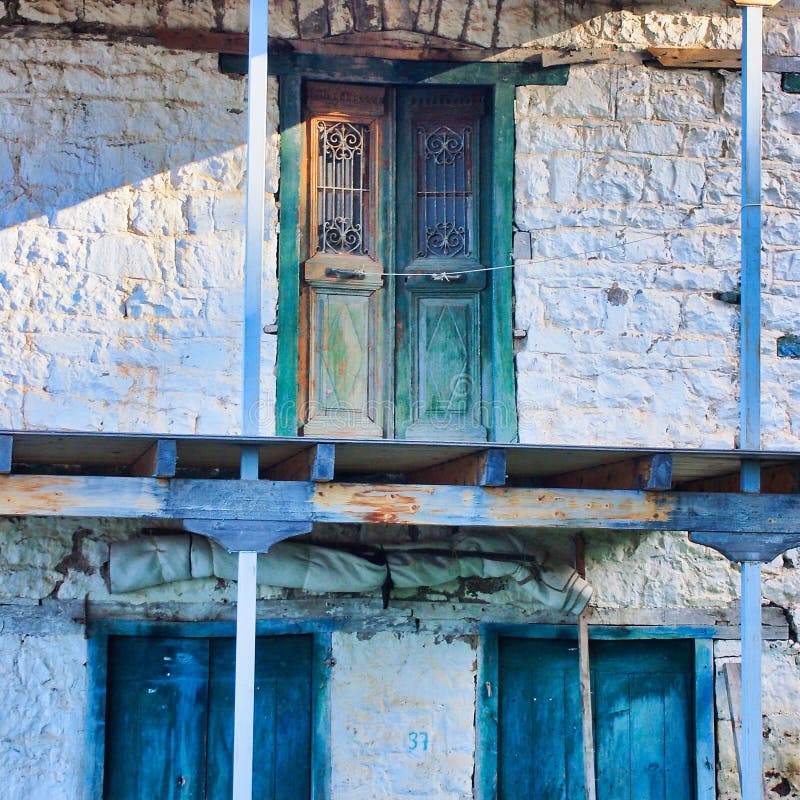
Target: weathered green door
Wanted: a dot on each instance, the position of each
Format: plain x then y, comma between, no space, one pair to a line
169,719
441,289
642,700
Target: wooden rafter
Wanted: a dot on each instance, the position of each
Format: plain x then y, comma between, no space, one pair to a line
485,468
651,473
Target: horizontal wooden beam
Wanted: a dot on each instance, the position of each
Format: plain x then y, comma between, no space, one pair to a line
485,468
652,473
710,58
158,461
777,479
316,463
400,504
6,448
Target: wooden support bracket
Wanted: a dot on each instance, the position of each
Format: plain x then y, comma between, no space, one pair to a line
158,461
485,468
747,546
652,474
252,536
313,464
6,447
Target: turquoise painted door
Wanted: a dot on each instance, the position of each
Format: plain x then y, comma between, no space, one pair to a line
169,719
642,701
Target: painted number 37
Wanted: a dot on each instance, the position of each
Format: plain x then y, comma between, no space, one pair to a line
417,740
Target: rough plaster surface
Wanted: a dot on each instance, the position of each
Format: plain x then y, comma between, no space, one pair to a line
120,246
386,682
42,726
121,239
486,23
627,184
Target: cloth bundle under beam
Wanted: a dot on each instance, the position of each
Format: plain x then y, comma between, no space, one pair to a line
552,582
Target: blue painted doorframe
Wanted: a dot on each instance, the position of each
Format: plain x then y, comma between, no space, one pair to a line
697,652
217,638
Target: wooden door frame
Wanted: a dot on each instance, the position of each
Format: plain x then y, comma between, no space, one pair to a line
496,214
486,701
98,633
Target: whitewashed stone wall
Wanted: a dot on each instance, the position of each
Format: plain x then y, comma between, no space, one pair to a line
121,239
628,184
410,669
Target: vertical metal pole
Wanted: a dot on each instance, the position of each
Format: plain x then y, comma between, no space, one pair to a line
750,404
254,220
245,677
251,394
752,780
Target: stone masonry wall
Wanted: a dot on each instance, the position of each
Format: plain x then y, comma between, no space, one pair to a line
411,668
627,186
121,239
121,180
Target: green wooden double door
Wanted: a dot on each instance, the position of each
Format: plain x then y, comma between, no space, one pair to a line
169,719
642,698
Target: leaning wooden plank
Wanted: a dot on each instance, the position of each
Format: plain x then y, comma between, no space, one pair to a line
732,670
401,504
586,706
158,461
6,447
653,473
315,463
485,468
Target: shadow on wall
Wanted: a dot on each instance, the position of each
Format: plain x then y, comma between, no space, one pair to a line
512,22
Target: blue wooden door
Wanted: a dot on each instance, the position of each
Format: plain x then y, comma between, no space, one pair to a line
169,719
642,700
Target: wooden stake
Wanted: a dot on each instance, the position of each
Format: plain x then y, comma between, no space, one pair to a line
586,681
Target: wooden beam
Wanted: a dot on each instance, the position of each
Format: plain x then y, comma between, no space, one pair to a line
486,468
777,479
398,504
652,473
709,58
158,461
732,670
6,448
313,464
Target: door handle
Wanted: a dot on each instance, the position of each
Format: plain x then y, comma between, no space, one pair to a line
345,274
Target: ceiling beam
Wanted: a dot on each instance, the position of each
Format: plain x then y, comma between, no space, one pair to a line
652,473
315,463
485,468
400,504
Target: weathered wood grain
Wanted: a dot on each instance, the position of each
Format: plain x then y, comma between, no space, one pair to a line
314,464
653,473
485,468
401,504
158,461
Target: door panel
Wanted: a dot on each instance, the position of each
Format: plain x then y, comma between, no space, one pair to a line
342,376
643,729
282,719
441,286
169,719
156,719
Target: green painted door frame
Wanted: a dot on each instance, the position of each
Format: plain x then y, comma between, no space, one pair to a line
496,213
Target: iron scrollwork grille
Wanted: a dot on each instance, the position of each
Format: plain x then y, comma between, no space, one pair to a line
444,191
343,187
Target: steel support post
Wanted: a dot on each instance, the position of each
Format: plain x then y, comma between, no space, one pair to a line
251,391
750,403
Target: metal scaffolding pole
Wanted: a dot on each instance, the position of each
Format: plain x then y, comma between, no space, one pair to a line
251,383
750,403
